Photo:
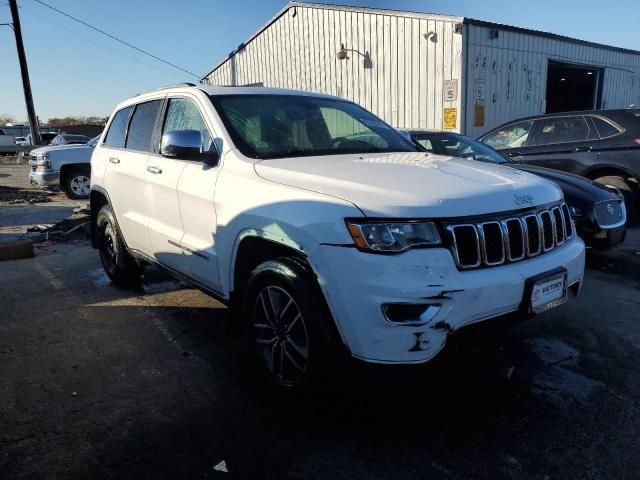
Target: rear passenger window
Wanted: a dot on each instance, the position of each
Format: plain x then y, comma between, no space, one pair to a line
562,130
605,129
118,128
141,127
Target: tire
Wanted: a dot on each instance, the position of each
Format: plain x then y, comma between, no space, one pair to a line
121,268
284,316
629,191
77,184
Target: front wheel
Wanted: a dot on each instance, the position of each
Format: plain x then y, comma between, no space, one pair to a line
285,318
78,185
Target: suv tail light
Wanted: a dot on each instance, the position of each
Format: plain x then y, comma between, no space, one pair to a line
637,141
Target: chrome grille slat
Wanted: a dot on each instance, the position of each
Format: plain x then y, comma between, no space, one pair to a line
495,242
452,229
490,258
534,235
568,222
556,216
548,230
510,241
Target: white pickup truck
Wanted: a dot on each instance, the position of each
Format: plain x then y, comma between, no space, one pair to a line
322,225
65,165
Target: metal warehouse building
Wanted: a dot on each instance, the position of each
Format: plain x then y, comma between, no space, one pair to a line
418,70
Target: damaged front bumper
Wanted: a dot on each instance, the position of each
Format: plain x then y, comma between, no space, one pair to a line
360,287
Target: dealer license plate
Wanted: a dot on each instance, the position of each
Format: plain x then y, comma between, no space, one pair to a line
549,292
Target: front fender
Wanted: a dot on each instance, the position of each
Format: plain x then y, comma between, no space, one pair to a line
246,204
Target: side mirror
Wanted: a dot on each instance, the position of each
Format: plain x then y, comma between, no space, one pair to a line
186,145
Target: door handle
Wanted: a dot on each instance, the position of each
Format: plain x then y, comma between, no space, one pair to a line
155,170
114,160
514,154
582,149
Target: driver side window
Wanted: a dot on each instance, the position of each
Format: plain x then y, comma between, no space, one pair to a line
183,114
511,136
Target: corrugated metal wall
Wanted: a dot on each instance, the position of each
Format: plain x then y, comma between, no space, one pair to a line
405,84
510,72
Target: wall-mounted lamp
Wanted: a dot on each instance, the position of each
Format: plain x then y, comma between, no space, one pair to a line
433,36
343,54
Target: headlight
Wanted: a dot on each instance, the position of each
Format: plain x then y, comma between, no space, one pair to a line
393,236
43,161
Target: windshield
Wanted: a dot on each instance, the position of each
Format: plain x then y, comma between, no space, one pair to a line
270,126
454,145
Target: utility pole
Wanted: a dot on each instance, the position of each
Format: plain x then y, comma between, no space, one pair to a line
26,85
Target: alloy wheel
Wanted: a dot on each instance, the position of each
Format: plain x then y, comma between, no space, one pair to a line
80,185
281,335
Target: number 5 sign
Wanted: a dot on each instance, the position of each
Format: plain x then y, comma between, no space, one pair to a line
450,90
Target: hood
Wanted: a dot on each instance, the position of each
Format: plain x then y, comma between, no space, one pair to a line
413,184
50,148
578,191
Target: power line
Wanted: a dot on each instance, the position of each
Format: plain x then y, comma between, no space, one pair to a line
115,38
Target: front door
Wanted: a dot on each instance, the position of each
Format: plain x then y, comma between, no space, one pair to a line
183,224
512,139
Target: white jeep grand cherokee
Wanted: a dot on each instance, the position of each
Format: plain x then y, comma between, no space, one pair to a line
322,224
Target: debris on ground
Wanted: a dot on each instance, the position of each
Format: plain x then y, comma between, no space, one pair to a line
45,244
68,230
83,209
16,195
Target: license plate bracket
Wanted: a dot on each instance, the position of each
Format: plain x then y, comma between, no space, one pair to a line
545,291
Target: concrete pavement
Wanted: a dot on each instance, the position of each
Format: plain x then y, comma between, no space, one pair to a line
98,382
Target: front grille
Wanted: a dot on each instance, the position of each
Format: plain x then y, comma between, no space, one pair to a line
510,239
609,213
33,159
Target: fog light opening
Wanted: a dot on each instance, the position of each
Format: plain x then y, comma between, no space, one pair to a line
412,314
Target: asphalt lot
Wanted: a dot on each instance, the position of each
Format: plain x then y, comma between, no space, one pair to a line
100,382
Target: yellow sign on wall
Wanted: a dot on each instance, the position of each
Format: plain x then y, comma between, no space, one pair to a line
478,115
450,118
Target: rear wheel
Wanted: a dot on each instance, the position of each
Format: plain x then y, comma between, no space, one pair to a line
78,184
629,191
121,268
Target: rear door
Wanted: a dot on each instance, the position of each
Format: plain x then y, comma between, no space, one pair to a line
125,174
619,141
568,143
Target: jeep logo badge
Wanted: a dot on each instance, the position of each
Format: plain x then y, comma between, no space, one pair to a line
523,199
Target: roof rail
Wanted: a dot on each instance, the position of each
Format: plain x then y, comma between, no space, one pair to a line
184,84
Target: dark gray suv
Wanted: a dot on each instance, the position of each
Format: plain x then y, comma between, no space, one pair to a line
603,145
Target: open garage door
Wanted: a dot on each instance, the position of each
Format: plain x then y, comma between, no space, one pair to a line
573,87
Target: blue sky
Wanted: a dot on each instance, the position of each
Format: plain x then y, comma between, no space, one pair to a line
76,71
